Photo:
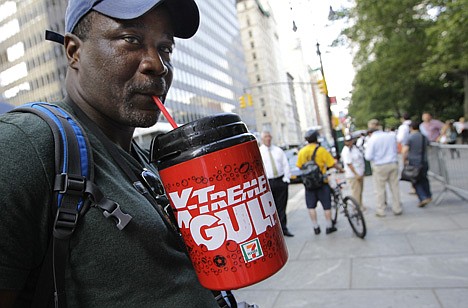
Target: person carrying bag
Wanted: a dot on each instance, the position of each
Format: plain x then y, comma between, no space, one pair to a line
416,165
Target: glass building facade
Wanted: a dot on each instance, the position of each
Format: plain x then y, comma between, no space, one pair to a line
209,74
31,68
210,71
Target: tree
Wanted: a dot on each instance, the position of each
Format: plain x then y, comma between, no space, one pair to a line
397,45
448,45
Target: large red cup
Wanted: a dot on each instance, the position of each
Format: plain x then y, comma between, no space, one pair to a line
213,174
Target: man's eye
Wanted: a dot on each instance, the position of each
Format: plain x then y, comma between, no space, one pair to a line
166,49
131,39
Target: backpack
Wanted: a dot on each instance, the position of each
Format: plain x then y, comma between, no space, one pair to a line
312,176
74,192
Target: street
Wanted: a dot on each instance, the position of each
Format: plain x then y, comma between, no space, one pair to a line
418,259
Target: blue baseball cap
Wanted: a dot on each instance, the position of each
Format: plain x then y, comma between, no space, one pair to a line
184,13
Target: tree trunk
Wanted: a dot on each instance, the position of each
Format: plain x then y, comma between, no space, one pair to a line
465,89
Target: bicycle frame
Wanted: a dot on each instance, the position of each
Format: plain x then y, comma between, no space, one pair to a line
353,213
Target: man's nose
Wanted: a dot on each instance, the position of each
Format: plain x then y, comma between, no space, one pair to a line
152,63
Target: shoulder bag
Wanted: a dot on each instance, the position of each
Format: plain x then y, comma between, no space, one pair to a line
413,173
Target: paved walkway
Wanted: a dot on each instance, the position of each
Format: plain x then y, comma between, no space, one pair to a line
418,259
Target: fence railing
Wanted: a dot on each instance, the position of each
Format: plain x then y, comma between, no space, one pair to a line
449,165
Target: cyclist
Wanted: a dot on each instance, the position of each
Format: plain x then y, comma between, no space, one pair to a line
324,160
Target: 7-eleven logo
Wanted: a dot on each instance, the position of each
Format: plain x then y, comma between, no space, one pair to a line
251,250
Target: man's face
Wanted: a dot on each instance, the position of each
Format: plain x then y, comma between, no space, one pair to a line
426,117
266,139
123,63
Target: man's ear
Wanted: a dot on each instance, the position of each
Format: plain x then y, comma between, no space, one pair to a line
72,49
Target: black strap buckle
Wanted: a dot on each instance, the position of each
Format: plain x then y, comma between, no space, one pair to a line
122,218
70,184
111,209
65,222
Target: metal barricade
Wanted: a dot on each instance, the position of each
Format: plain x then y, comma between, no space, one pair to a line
449,165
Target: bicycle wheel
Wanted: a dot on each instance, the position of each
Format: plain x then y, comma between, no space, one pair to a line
334,210
355,217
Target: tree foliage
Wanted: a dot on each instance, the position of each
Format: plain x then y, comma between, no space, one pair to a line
411,57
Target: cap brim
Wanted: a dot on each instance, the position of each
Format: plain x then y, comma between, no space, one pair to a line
184,13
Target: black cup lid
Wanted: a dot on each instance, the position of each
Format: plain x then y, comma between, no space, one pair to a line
196,134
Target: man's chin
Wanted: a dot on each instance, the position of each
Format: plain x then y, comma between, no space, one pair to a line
144,119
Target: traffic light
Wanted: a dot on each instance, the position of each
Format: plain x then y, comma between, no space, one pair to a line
242,101
322,84
249,100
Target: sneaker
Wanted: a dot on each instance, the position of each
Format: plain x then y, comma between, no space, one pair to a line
378,214
398,213
330,230
424,202
317,230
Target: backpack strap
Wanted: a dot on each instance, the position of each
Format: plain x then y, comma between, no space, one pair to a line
74,192
73,168
315,152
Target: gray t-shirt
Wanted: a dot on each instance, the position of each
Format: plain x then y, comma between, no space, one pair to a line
141,266
416,143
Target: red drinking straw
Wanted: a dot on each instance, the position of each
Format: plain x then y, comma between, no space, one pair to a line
165,112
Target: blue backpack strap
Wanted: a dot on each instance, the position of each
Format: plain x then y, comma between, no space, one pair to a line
74,191
73,169
73,164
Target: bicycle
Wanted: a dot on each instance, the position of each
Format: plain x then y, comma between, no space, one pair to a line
351,209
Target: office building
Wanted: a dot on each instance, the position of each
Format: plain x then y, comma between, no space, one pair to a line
273,100
209,75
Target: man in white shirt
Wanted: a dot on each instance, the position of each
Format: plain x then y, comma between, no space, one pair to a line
381,151
278,174
403,131
353,162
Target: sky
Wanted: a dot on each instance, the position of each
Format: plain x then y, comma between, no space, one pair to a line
311,19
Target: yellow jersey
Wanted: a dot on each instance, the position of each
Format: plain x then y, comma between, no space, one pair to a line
323,158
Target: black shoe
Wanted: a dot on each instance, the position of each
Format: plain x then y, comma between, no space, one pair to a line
317,230
330,230
287,233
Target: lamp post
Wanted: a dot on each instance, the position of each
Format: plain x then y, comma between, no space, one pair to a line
333,133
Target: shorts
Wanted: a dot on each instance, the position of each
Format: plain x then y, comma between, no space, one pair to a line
323,194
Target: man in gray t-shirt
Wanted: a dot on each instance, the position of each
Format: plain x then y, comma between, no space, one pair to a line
119,63
414,153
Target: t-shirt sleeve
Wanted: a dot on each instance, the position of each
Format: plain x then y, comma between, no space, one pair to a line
301,158
328,158
25,216
346,156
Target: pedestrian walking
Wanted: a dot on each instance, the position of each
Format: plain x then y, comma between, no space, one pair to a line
324,160
448,135
278,174
354,167
414,153
403,130
430,127
381,151
462,129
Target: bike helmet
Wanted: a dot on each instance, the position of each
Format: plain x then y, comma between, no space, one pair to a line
311,135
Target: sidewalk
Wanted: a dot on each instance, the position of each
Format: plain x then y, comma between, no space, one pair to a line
418,259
